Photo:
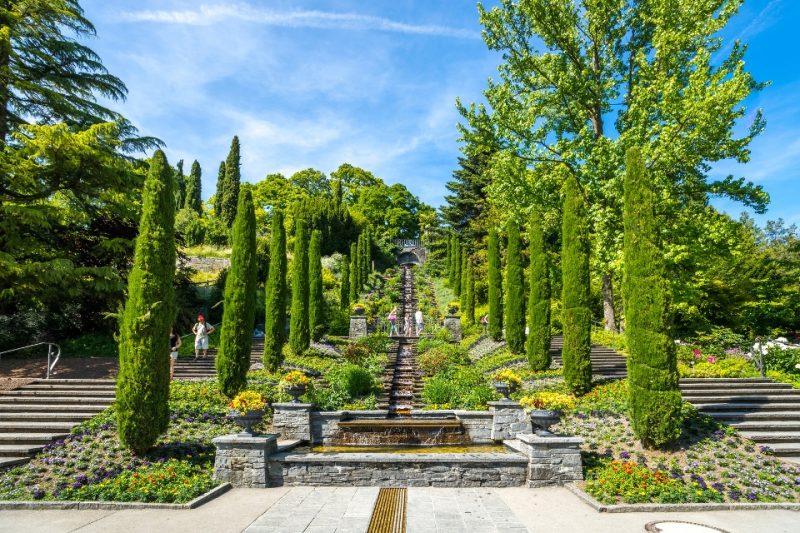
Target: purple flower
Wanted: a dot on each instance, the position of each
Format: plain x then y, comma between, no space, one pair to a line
717,486
752,496
609,452
735,495
625,455
38,493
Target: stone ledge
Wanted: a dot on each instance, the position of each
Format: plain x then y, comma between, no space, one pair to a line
400,458
113,506
532,438
289,406
245,441
677,507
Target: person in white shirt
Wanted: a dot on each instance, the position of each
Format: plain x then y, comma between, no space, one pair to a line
418,320
201,332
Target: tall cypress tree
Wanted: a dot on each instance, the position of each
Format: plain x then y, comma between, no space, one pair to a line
230,195
449,256
220,190
143,380
365,246
654,397
236,337
354,290
515,291
299,335
464,273
469,301
538,344
451,269
180,185
275,315
194,189
576,315
344,291
316,299
457,271
495,287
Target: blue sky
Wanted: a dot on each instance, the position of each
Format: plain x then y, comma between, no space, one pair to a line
315,84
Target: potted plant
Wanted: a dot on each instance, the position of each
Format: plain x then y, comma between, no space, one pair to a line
547,408
295,383
453,307
247,409
506,381
358,308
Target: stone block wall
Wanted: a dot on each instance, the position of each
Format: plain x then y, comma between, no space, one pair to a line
242,459
553,460
508,419
358,326
292,420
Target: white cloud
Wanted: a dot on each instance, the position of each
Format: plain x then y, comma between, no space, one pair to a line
206,15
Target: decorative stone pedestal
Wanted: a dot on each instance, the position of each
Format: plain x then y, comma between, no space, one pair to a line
453,324
292,420
358,326
508,419
553,460
242,460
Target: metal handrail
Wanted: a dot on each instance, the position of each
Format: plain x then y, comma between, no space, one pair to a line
51,363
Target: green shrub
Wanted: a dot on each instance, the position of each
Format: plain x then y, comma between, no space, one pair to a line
354,379
439,358
375,342
458,388
356,353
786,361
426,343
90,345
734,367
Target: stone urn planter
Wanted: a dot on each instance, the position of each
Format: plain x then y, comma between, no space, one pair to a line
504,388
544,418
452,310
295,391
358,311
248,420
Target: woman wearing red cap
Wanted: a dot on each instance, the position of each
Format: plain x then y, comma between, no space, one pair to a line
201,332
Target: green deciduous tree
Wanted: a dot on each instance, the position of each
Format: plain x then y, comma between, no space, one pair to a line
654,397
236,338
316,298
576,315
143,381
537,346
515,291
194,186
495,287
275,316
299,334
230,193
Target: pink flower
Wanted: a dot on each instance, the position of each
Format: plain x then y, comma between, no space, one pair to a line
711,359
696,352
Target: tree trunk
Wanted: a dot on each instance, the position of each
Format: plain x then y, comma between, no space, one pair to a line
609,315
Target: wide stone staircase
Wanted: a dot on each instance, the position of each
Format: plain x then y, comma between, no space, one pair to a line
606,362
762,410
189,368
45,410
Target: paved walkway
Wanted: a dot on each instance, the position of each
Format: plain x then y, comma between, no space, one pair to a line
347,509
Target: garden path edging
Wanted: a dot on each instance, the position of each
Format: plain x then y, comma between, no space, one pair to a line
677,507
30,505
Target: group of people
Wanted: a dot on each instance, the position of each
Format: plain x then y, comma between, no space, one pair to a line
409,328
201,332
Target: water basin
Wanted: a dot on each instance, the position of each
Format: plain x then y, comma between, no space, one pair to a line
476,448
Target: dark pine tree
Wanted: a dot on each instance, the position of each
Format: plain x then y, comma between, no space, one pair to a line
230,196
316,298
143,380
299,335
467,207
654,398
220,194
344,291
495,287
236,337
194,189
537,345
276,291
515,291
576,315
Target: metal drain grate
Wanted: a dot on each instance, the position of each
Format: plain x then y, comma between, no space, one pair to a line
389,513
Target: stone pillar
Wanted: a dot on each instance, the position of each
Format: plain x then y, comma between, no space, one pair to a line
292,420
508,419
242,459
358,326
453,324
553,460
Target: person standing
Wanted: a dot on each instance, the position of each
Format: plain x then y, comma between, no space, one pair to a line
201,332
393,322
418,320
174,345
485,323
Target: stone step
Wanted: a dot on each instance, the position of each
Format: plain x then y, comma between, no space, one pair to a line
744,398
732,416
725,380
735,386
35,427
8,462
57,393
62,387
18,450
728,405
50,408
766,425
30,438
76,381
773,436
44,417
786,449
55,400
740,392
